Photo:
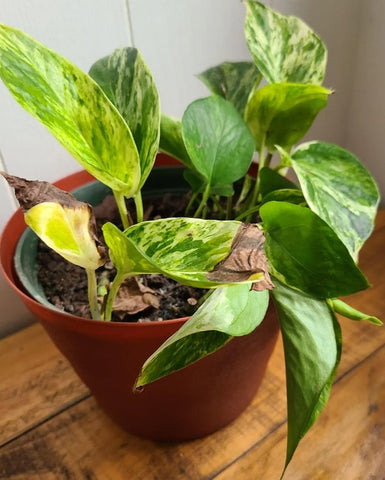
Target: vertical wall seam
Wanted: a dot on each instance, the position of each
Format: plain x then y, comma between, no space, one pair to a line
129,21
11,196
353,78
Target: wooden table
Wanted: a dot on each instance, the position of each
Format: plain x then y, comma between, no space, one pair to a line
51,428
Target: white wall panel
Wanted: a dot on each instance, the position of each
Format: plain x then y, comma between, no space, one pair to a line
366,118
179,39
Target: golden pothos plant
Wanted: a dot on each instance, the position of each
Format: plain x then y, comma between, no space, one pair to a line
310,231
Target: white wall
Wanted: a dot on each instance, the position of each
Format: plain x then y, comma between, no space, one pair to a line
179,39
366,115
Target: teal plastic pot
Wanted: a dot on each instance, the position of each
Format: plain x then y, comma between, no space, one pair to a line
188,404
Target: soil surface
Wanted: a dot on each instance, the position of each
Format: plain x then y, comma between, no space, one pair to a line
148,298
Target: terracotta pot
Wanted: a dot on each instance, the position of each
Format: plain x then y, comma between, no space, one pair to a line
191,403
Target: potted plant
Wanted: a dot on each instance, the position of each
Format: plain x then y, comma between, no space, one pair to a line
244,239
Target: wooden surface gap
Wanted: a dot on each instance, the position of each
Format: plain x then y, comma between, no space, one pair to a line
45,420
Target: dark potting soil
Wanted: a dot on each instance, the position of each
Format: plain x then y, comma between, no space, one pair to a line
150,298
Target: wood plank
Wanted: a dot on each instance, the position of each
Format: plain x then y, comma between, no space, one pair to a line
81,439
36,381
348,441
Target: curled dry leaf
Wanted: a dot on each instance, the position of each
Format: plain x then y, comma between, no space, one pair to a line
246,260
33,192
134,297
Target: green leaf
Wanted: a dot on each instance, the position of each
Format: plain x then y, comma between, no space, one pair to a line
233,81
217,139
312,344
339,189
72,107
349,312
271,180
229,311
281,114
284,48
285,195
128,83
171,140
67,231
305,253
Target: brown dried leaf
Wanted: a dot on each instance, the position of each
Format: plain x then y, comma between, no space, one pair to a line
32,192
134,297
246,258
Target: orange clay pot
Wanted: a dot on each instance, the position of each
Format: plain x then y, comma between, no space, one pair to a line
187,404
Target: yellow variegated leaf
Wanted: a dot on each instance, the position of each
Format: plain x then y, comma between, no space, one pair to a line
72,107
67,231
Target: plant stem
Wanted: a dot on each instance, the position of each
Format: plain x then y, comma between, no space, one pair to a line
248,212
191,202
205,197
120,202
92,294
247,182
114,287
263,162
216,202
139,207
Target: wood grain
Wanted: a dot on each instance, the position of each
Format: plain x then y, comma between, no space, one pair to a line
347,442
36,381
67,436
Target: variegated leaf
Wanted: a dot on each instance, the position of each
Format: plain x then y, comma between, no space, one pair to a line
128,83
284,48
171,140
339,189
67,231
312,343
184,249
217,140
229,311
306,254
233,81
72,107
281,114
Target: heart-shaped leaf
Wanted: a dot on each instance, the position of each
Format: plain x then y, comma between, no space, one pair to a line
339,189
72,107
217,140
312,343
128,83
233,81
283,47
305,253
229,311
188,250
281,114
